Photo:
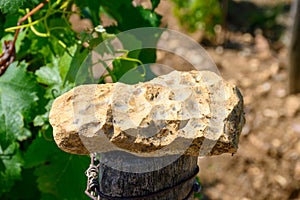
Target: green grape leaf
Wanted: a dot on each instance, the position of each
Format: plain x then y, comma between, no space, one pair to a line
90,9
48,75
2,23
133,76
121,66
53,74
79,56
25,188
36,49
131,42
11,6
63,176
154,4
36,1
38,120
112,7
45,196
129,16
10,20
150,18
64,62
12,161
41,150
60,175
148,55
20,101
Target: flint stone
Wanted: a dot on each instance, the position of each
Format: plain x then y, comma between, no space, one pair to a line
193,113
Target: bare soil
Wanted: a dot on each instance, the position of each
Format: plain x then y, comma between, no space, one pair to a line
267,164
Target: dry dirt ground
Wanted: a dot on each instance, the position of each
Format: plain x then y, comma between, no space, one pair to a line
267,164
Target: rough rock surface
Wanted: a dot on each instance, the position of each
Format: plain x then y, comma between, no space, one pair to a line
191,113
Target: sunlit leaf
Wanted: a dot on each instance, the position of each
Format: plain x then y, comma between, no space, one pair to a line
79,56
11,169
19,96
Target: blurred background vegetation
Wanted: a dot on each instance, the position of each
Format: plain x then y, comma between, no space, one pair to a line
242,16
247,40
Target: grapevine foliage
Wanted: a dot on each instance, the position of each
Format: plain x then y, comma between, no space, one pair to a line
198,14
11,6
49,55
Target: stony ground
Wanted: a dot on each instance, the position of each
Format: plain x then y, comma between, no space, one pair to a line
267,165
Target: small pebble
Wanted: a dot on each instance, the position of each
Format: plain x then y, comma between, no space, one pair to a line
246,52
254,63
270,113
274,68
280,77
246,129
247,37
246,82
281,180
276,143
292,105
264,88
281,93
297,171
219,50
296,128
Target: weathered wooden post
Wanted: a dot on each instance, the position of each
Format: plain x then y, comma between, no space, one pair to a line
294,50
149,135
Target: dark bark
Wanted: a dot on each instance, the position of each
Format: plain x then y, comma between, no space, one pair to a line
294,51
124,175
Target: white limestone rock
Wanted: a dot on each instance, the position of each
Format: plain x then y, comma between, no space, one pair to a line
194,113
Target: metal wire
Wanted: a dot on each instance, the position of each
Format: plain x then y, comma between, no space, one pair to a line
94,192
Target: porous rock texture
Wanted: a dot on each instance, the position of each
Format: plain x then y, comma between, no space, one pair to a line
193,113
